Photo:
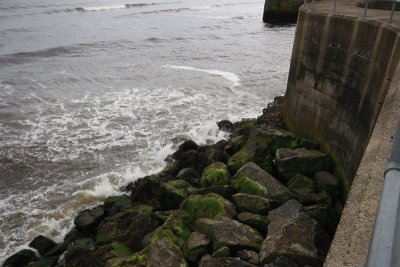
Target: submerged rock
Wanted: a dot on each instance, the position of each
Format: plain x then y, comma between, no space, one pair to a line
293,161
229,233
251,179
293,234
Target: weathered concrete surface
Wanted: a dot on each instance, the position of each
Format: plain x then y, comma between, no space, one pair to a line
344,83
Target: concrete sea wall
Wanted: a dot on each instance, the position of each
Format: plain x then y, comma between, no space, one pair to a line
343,91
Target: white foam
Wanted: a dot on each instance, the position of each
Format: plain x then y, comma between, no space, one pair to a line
230,76
103,8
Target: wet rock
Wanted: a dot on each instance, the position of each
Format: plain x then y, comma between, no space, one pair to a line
257,221
272,115
188,159
208,206
235,144
73,235
249,256
224,262
251,179
184,147
129,227
208,155
222,252
220,145
88,220
327,182
281,11
82,244
225,191
174,192
113,205
146,190
292,161
226,126
21,258
42,244
215,174
189,175
244,126
229,233
44,262
196,246
252,203
293,234
166,254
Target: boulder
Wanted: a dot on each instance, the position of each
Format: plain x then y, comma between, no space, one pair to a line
327,182
253,203
129,227
325,215
292,161
42,244
82,244
235,144
282,261
176,229
257,221
73,235
229,233
224,262
44,262
220,145
113,205
146,190
166,254
244,126
211,206
222,252
225,191
184,147
226,126
88,220
244,155
293,234
301,184
195,247
189,159
215,174
249,256
189,175
21,258
174,192
208,155
251,179
281,11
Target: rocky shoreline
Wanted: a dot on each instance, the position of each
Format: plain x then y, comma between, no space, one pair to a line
263,198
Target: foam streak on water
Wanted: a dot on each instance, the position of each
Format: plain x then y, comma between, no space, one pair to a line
82,114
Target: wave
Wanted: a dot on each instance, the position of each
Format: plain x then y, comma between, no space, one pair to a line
122,6
230,76
177,10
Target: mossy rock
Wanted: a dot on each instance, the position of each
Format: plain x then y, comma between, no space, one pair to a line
174,192
292,161
138,259
225,191
215,174
129,227
176,229
236,144
253,203
244,126
244,155
208,206
251,179
115,204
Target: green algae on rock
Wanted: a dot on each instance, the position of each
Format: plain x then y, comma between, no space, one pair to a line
174,192
215,174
